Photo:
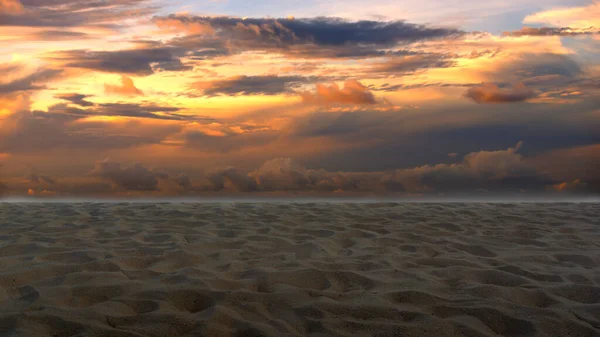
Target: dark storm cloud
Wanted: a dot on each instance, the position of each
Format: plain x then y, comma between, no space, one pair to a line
325,31
551,31
34,81
132,61
78,99
311,37
491,93
249,85
133,178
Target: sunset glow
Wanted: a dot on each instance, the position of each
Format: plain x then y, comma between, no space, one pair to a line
184,98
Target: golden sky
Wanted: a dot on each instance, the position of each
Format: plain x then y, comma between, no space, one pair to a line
139,97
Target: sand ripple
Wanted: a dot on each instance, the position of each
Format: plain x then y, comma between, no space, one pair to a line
299,269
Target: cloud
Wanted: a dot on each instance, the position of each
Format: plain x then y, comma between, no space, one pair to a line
179,25
485,171
3,187
575,168
183,181
150,111
411,63
32,81
127,88
285,174
311,37
65,127
144,61
502,170
529,67
232,180
71,13
249,85
353,92
575,17
224,138
37,179
491,93
571,186
57,35
134,178
78,99
551,31
140,111
10,7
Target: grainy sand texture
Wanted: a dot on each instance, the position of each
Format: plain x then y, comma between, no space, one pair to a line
299,269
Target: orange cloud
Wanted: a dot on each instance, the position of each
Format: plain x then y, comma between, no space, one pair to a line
173,26
127,88
353,92
491,93
11,6
35,192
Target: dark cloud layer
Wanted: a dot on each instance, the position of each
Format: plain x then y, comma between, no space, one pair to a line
551,31
321,37
249,85
324,31
133,61
400,65
78,99
33,81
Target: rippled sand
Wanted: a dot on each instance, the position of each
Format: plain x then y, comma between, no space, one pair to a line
306,269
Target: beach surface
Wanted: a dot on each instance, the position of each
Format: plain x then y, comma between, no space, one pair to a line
299,269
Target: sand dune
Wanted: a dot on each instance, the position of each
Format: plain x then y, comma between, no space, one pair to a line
306,269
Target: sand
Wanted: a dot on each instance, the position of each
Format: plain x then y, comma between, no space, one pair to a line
299,269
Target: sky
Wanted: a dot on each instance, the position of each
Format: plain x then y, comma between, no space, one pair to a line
132,98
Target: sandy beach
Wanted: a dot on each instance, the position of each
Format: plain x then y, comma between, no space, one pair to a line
299,269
